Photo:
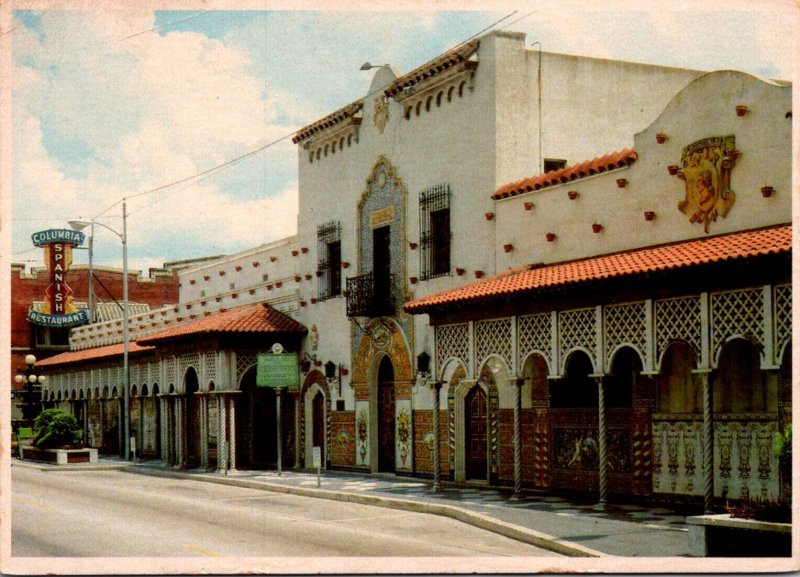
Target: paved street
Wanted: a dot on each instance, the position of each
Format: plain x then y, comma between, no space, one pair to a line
115,514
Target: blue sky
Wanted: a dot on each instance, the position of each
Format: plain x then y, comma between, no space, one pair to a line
110,104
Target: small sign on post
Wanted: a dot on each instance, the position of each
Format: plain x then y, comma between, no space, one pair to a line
317,458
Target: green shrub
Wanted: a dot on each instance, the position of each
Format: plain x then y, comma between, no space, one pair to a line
783,444
54,429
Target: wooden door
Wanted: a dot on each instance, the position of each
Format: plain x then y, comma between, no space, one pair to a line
318,416
386,416
476,433
381,268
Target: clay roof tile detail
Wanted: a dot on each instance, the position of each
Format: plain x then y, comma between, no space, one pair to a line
684,254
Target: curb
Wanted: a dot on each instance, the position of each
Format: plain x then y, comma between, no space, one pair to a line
478,520
53,468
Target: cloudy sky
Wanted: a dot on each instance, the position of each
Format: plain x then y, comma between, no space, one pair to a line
144,104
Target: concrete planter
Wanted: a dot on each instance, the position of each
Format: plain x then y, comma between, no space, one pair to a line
723,536
59,456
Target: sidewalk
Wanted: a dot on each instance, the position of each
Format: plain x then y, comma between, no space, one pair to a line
556,523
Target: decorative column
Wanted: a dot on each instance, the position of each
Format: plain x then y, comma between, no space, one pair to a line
178,428
278,425
517,383
120,429
601,440
222,456
437,464
140,442
708,440
249,428
164,415
203,399
232,433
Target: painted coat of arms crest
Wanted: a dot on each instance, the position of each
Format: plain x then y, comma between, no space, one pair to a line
707,166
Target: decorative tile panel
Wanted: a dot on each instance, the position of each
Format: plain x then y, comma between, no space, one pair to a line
452,341
678,319
678,457
534,334
493,337
737,313
577,328
625,325
745,465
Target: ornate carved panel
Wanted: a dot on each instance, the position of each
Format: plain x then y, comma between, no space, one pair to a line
493,337
210,362
678,319
243,362
738,312
577,329
625,324
534,334
452,341
783,318
169,372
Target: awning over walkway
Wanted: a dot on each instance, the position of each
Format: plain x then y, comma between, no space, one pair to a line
95,354
253,319
532,278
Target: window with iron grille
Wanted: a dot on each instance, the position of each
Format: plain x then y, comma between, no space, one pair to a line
329,263
434,241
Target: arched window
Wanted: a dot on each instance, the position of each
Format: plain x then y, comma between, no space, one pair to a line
439,99
679,390
741,386
578,389
619,386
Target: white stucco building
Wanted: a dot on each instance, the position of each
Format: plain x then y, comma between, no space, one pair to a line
431,212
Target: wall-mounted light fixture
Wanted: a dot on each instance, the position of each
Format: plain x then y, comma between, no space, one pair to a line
333,373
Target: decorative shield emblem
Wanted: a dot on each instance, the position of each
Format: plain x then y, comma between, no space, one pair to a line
381,112
707,166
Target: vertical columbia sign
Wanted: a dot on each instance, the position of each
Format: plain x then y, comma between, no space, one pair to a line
58,309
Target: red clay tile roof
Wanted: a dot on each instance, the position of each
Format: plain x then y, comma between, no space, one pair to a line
97,353
333,118
531,278
258,318
433,67
595,166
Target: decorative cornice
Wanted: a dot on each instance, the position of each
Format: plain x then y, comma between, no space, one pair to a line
334,118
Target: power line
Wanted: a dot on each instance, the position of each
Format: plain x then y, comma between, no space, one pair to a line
238,159
192,17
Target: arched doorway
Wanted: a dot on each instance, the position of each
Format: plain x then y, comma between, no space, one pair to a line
192,418
257,433
386,417
745,413
574,405
476,431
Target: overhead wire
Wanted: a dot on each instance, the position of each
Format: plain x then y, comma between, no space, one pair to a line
234,161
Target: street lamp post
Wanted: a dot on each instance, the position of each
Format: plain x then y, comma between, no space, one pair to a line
29,377
80,225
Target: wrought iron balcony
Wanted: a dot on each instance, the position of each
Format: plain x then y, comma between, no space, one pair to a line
366,298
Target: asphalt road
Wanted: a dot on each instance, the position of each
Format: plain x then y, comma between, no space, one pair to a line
117,514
